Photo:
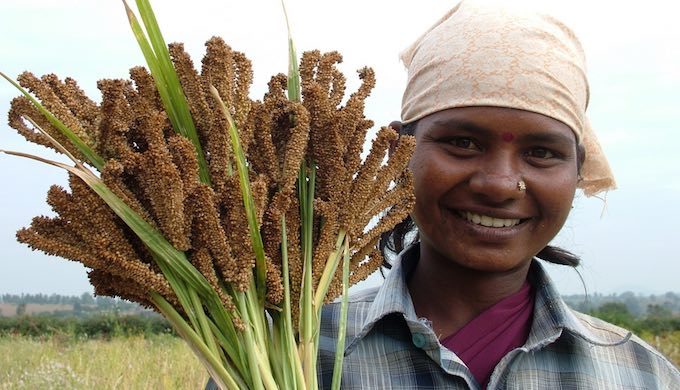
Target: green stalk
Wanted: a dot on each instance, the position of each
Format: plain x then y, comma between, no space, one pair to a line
210,361
233,366
93,158
342,328
329,271
290,351
249,343
203,322
307,312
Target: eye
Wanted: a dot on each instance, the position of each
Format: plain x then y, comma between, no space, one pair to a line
541,153
464,143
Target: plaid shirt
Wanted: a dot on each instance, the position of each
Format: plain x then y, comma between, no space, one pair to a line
389,347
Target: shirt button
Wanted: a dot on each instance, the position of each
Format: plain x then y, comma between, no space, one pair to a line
418,340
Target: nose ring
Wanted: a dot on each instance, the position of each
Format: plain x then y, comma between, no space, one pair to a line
522,186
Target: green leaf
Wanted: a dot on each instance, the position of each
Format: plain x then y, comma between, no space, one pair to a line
294,92
167,82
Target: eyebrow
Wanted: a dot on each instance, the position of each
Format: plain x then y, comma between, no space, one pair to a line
462,124
539,137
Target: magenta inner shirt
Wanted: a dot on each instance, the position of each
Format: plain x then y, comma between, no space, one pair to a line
483,341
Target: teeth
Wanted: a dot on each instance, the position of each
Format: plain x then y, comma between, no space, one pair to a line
487,221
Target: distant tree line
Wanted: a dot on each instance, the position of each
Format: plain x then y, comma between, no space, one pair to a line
637,305
83,304
98,326
83,299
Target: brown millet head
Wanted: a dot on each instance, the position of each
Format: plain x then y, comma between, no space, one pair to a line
364,269
328,234
397,163
117,120
204,263
193,89
118,181
150,127
295,147
207,232
235,225
50,100
109,285
271,225
353,124
218,69
363,183
396,214
241,89
325,74
97,228
210,125
274,282
146,87
83,108
184,158
402,189
161,183
20,109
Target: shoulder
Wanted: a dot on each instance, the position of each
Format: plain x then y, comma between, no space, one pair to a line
358,305
618,347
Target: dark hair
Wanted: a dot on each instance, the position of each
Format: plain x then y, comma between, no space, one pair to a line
406,232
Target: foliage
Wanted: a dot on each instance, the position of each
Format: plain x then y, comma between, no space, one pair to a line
98,327
637,304
657,321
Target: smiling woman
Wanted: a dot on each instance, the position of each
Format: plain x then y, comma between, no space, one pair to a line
467,186
496,98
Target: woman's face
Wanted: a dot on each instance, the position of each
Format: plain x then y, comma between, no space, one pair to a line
467,165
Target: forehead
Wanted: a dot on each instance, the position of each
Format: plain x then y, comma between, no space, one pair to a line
498,121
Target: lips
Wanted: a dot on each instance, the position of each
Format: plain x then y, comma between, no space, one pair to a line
488,221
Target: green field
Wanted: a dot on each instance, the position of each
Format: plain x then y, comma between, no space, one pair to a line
157,362
137,362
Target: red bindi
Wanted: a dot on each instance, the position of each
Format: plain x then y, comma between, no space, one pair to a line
507,137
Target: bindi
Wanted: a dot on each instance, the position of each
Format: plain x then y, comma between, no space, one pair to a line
507,137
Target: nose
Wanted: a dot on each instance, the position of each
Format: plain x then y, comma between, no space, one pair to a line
497,179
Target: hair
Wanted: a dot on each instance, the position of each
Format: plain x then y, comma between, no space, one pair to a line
406,233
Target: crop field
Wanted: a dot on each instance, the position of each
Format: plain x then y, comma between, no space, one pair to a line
157,362
135,362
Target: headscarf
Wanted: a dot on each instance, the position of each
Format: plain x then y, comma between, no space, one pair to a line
481,55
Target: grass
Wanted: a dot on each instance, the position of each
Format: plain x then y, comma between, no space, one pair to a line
158,362
136,362
667,343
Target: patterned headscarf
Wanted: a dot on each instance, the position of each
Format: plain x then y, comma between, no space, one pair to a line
480,55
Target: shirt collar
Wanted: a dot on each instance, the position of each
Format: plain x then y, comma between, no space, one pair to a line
551,314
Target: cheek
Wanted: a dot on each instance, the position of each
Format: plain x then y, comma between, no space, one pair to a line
557,198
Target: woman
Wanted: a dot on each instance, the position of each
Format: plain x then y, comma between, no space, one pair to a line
496,100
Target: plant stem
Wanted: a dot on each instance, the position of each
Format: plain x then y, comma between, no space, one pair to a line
210,361
342,327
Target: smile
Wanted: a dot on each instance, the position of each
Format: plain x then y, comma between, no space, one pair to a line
487,221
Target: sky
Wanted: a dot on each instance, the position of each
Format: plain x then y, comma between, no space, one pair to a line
628,243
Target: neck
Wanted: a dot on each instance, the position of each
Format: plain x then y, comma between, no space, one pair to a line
450,295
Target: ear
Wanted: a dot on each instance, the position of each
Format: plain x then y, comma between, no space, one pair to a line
396,125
